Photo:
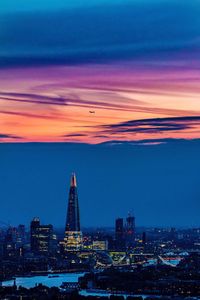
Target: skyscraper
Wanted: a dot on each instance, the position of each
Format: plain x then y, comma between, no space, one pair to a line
130,231
119,233
73,234
41,237
144,238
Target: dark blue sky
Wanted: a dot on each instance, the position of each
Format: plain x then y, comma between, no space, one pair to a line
159,183
136,63
72,32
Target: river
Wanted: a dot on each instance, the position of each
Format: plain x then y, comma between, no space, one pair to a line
47,280
50,281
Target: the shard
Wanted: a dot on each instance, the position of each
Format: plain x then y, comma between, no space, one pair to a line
73,235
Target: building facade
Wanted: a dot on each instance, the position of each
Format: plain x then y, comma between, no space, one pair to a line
42,237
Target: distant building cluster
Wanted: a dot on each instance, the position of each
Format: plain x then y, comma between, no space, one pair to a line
124,232
125,255
42,248
41,240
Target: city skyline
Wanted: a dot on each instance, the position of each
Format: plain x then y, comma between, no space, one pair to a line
109,89
99,149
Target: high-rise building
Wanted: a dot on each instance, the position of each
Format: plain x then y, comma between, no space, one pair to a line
35,224
73,234
21,234
9,247
144,238
119,233
130,231
42,238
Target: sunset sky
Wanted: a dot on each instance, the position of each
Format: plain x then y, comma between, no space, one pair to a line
96,71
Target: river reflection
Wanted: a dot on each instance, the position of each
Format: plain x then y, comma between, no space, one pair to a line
48,280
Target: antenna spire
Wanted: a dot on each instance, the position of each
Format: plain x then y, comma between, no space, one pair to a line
73,180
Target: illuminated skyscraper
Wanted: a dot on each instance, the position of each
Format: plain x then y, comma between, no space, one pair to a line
73,234
42,238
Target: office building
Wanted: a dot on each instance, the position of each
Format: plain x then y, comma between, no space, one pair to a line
130,231
119,234
42,238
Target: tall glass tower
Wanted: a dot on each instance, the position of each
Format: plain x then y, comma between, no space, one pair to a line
73,234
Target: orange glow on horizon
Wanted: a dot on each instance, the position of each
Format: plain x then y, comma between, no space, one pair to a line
56,108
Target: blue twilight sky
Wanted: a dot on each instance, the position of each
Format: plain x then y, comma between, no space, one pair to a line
72,32
159,183
35,5
135,64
